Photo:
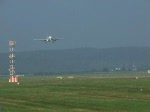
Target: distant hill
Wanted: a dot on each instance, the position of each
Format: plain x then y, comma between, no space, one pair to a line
79,60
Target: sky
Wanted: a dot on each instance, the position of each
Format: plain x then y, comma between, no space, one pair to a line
82,23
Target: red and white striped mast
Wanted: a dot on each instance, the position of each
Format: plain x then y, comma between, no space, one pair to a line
12,57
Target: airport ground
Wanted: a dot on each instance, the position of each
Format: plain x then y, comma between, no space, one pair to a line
98,92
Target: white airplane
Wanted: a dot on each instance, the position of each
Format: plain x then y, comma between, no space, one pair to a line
49,39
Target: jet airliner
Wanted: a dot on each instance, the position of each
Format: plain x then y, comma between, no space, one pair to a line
49,39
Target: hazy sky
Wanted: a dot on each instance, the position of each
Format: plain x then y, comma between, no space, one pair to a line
82,23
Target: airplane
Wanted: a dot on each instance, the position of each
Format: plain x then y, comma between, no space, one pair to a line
49,39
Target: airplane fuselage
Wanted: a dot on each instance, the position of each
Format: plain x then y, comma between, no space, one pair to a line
50,39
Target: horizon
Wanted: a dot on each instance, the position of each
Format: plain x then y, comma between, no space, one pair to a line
77,48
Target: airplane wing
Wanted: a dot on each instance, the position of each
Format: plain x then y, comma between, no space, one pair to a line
57,39
40,39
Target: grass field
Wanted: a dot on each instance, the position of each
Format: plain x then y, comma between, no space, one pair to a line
80,94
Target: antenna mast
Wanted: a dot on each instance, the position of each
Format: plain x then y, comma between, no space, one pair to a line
12,69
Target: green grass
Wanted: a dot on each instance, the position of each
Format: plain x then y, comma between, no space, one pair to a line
80,94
